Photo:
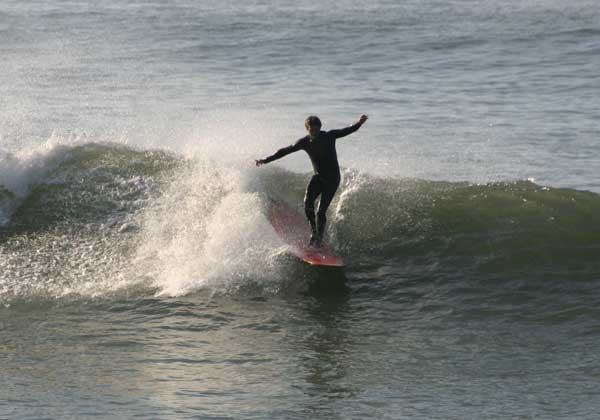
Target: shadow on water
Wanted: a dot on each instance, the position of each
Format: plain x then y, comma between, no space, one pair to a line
321,281
326,363
327,282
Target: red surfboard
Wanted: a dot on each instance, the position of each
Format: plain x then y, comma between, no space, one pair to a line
294,230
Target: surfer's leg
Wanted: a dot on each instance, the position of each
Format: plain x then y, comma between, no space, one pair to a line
327,195
312,192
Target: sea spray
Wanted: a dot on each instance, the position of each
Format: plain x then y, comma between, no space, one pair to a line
209,231
21,170
74,229
108,216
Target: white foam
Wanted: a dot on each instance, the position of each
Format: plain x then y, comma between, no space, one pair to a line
21,169
208,231
54,266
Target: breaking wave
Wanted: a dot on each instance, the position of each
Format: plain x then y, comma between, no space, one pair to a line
94,218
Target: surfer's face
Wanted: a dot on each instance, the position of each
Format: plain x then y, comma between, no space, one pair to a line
313,131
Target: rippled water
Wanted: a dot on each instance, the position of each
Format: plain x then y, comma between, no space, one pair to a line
139,276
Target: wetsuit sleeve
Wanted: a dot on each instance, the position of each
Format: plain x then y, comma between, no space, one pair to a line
285,151
345,131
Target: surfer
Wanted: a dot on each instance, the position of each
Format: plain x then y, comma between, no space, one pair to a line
320,147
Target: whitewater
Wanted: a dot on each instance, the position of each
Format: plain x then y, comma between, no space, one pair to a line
140,276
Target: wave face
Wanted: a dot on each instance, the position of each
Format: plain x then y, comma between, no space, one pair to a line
68,224
94,218
503,226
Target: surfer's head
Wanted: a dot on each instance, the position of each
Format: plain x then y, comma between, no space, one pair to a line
313,125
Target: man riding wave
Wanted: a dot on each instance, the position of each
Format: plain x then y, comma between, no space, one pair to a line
320,146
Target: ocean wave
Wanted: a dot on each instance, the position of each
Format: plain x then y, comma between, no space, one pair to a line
103,212
497,226
88,183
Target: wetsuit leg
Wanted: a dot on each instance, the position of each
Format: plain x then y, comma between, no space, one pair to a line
328,192
313,190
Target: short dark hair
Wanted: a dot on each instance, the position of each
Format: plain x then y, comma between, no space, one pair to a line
311,121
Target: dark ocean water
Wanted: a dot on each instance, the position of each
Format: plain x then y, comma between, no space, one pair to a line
140,278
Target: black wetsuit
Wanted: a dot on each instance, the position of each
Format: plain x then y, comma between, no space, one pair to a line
326,178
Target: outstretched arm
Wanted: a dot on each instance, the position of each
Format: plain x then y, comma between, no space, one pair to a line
349,130
279,154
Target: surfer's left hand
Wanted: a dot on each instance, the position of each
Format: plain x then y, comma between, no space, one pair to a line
363,119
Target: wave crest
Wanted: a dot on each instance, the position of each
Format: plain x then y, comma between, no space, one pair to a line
105,212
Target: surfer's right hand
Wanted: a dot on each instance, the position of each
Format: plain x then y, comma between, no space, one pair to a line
260,162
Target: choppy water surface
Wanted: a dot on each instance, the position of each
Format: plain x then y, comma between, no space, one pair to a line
139,276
